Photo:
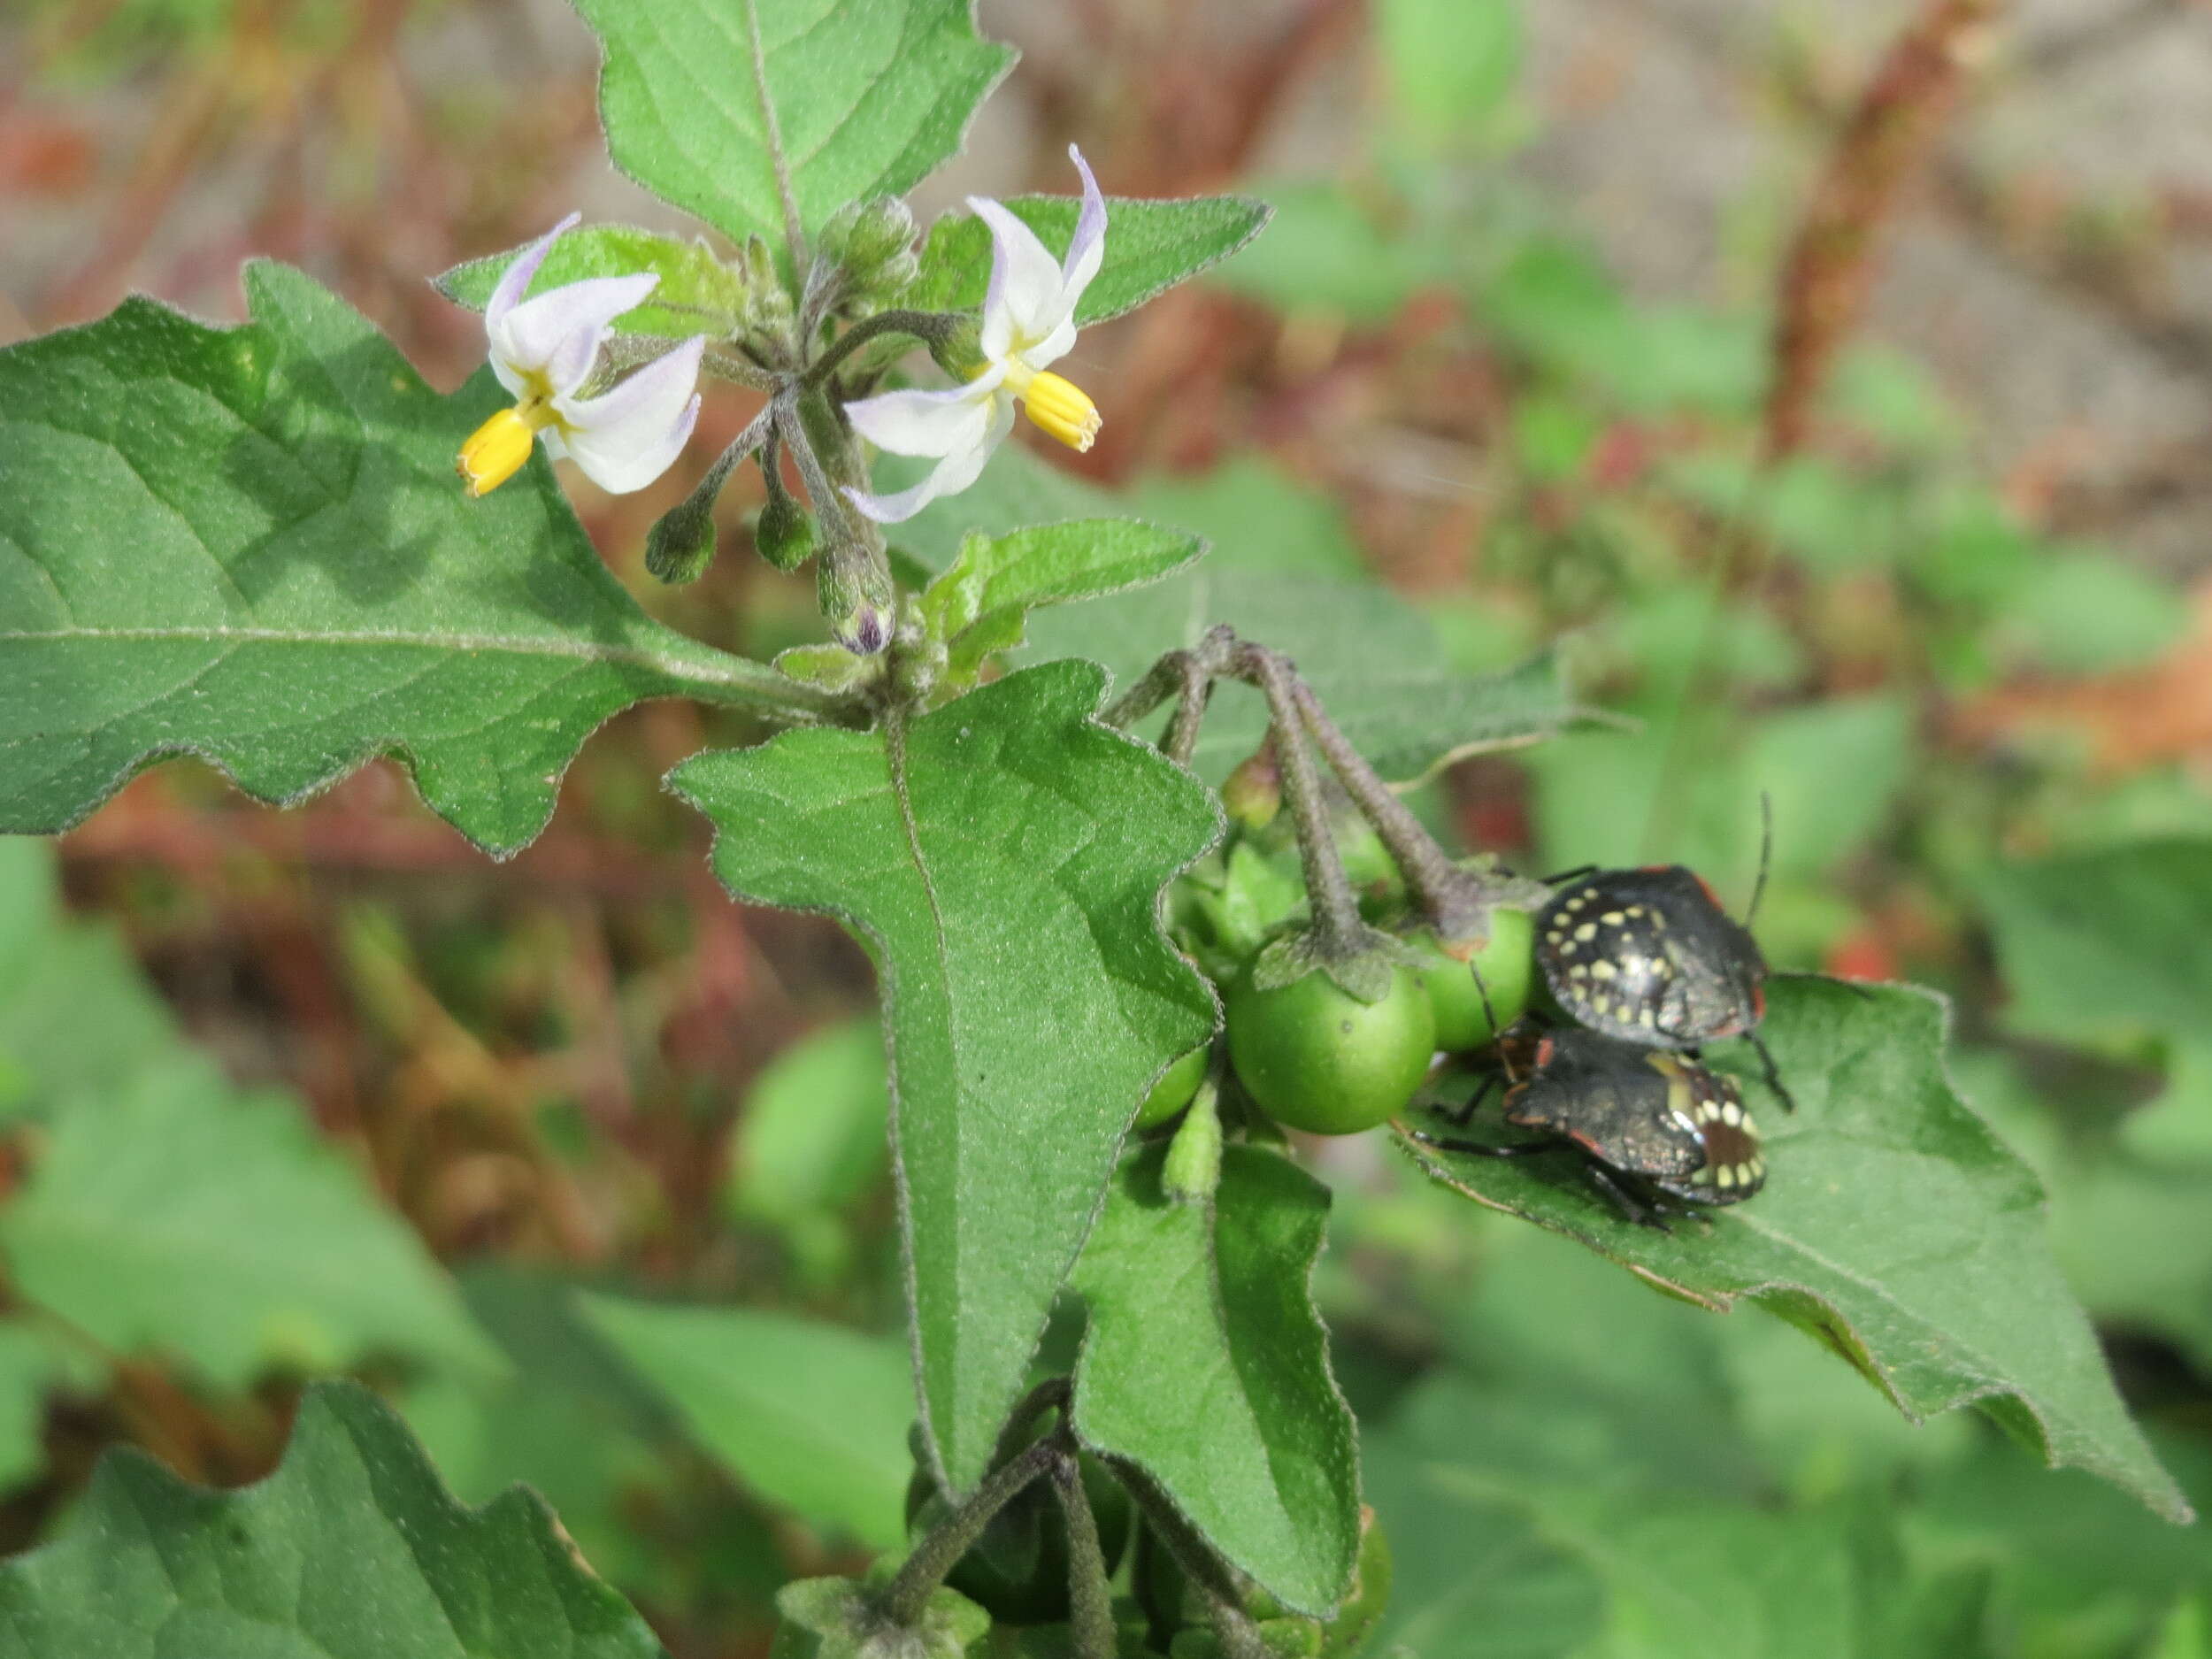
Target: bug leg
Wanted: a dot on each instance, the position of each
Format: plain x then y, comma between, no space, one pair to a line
1575,874
1482,1148
1643,1214
1460,1117
1773,1077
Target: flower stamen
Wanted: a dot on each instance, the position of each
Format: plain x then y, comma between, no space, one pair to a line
1062,409
496,451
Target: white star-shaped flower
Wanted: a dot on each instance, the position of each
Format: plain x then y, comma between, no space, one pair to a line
1028,325
543,350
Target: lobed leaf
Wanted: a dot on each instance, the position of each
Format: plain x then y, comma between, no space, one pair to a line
1150,247
706,102
1895,1226
1004,858
248,544
811,1416
351,1550
697,295
1202,1314
980,605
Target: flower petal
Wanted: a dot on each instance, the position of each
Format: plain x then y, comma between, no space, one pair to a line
1023,303
959,469
1086,248
514,282
627,438
925,423
557,335
648,400
1052,348
621,468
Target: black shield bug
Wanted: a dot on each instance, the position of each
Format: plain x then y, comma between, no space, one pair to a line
1648,957
1653,1126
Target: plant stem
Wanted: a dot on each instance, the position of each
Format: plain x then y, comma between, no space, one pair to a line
1337,929
1090,1603
929,327
1180,741
1207,1573
1451,900
1052,1394
830,505
905,1597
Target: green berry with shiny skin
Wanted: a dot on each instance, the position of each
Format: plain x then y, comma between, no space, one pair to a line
1174,1089
1317,1058
1506,965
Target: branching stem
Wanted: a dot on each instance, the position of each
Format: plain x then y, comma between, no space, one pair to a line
1450,899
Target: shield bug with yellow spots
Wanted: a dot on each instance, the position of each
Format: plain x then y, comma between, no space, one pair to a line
1658,1131
1648,957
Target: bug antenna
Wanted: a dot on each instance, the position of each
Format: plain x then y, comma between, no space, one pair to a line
1766,855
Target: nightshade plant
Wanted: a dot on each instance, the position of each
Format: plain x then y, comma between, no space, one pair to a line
249,546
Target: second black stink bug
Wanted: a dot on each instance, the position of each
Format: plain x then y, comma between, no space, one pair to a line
1654,1126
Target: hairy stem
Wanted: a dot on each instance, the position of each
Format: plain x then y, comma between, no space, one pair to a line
1052,1394
1451,900
1232,1626
905,1596
1338,930
1090,1602
929,327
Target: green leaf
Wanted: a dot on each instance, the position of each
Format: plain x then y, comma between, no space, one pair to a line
981,603
1375,660
77,1020
698,294
248,545
2106,943
1329,252
351,1549
812,1416
1150,247
837,1618
33,1362
810,1139
1452,63
2088,612
1895,1226
1206,1308
1003,857
706,102
1472,1579
174,1217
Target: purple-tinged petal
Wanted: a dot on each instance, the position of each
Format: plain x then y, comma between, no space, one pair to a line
1086,248
514,282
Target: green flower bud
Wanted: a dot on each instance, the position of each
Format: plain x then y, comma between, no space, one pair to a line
854,587
784,533
682,543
